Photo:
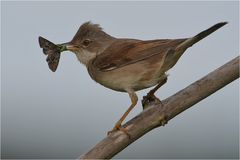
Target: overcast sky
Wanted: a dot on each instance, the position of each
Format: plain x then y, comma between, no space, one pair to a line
63,114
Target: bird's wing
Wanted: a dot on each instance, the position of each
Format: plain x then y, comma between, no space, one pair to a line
125,52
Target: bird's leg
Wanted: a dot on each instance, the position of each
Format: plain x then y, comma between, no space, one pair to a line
150,97
117,126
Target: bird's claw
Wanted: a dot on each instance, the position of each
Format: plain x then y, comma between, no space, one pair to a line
148,99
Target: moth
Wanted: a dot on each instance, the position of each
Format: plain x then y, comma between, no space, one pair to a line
52,51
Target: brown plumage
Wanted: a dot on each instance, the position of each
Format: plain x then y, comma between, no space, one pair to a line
126,54
125,65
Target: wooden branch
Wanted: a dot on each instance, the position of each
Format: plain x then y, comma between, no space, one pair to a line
156,115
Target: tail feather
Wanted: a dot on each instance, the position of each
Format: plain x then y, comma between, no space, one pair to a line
172,59
189,42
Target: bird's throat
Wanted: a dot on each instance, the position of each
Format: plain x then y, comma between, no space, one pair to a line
85,56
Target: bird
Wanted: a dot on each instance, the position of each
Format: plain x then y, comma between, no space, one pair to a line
123,64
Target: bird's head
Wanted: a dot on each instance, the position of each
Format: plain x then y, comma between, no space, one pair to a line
89,41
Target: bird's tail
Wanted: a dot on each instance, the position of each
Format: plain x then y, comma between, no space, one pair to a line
190,41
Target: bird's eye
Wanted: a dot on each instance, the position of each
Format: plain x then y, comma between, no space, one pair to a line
86,42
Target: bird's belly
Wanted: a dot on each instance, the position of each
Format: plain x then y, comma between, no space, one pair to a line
126,82
136,76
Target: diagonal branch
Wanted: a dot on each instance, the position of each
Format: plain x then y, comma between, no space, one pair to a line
156,115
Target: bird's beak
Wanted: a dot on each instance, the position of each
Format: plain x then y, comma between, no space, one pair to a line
72,47
67,47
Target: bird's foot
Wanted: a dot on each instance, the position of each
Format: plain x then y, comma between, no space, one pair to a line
150,99
119,128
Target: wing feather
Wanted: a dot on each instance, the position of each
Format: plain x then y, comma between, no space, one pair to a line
125,52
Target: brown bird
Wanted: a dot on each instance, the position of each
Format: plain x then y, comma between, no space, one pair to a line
125,65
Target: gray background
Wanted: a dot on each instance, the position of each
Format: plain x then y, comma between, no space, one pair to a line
63,114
